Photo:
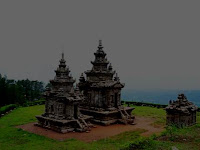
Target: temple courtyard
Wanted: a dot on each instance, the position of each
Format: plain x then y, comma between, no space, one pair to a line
144,124
117,137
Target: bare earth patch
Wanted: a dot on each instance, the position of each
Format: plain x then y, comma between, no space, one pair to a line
100,132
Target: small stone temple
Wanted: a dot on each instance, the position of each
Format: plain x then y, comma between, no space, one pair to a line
102,93
62,104
181,112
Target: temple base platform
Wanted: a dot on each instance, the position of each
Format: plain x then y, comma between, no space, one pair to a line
107,117
63,126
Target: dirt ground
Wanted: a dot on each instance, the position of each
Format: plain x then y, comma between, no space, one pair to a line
100,132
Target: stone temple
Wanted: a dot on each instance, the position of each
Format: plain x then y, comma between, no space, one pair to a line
62,104
181,112
103,93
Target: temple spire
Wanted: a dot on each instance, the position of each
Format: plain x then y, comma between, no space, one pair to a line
100,42
100,45
62,55
62,61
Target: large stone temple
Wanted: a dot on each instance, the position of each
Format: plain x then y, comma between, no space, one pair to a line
181,112
102,93
62,104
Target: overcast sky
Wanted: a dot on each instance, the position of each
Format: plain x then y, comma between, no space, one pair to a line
151,44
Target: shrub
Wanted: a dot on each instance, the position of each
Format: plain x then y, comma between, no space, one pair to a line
140,143
170,132
7,108
32,103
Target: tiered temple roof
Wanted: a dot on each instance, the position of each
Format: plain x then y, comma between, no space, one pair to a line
62,85
182,105
101,74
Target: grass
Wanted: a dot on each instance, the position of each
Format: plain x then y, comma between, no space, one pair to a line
12,138
185,138
158,114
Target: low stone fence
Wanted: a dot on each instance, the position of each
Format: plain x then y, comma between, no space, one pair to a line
146,104
143,104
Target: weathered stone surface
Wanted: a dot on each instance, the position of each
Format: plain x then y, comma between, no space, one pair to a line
181,112
103,92
62,104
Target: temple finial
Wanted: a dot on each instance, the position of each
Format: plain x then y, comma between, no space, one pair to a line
62,55
100,45
100,42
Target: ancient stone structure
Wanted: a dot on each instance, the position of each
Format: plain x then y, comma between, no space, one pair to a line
181,112
103,92
62,100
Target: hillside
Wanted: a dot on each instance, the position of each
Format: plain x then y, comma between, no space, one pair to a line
12,138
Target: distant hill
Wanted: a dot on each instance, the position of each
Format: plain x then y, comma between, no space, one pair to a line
160,96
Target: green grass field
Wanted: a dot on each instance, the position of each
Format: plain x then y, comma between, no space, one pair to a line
12,138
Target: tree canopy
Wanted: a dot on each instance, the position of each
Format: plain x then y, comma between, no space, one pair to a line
20,91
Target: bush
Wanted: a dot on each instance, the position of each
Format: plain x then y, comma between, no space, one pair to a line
7,108
32,103
171,132
141,143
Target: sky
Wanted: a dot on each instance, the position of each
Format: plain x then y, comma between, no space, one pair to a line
151,44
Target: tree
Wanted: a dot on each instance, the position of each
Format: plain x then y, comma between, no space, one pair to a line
19,92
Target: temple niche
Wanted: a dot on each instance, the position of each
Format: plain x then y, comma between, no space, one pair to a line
62,104
102,93
181,112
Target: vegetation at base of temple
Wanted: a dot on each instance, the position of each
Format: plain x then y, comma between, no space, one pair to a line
12,138
19,92
7,108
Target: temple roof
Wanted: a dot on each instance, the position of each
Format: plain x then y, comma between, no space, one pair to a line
107,84
181,105
62,85
62,72
101,66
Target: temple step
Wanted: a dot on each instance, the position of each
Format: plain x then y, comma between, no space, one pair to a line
82,124
126,118
124,114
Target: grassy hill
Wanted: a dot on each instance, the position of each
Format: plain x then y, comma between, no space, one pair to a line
12,138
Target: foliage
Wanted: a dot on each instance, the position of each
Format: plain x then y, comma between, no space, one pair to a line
32,103
19,92
141,143
171,132
7,108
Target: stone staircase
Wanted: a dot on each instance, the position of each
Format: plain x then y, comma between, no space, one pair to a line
83,126
126,118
